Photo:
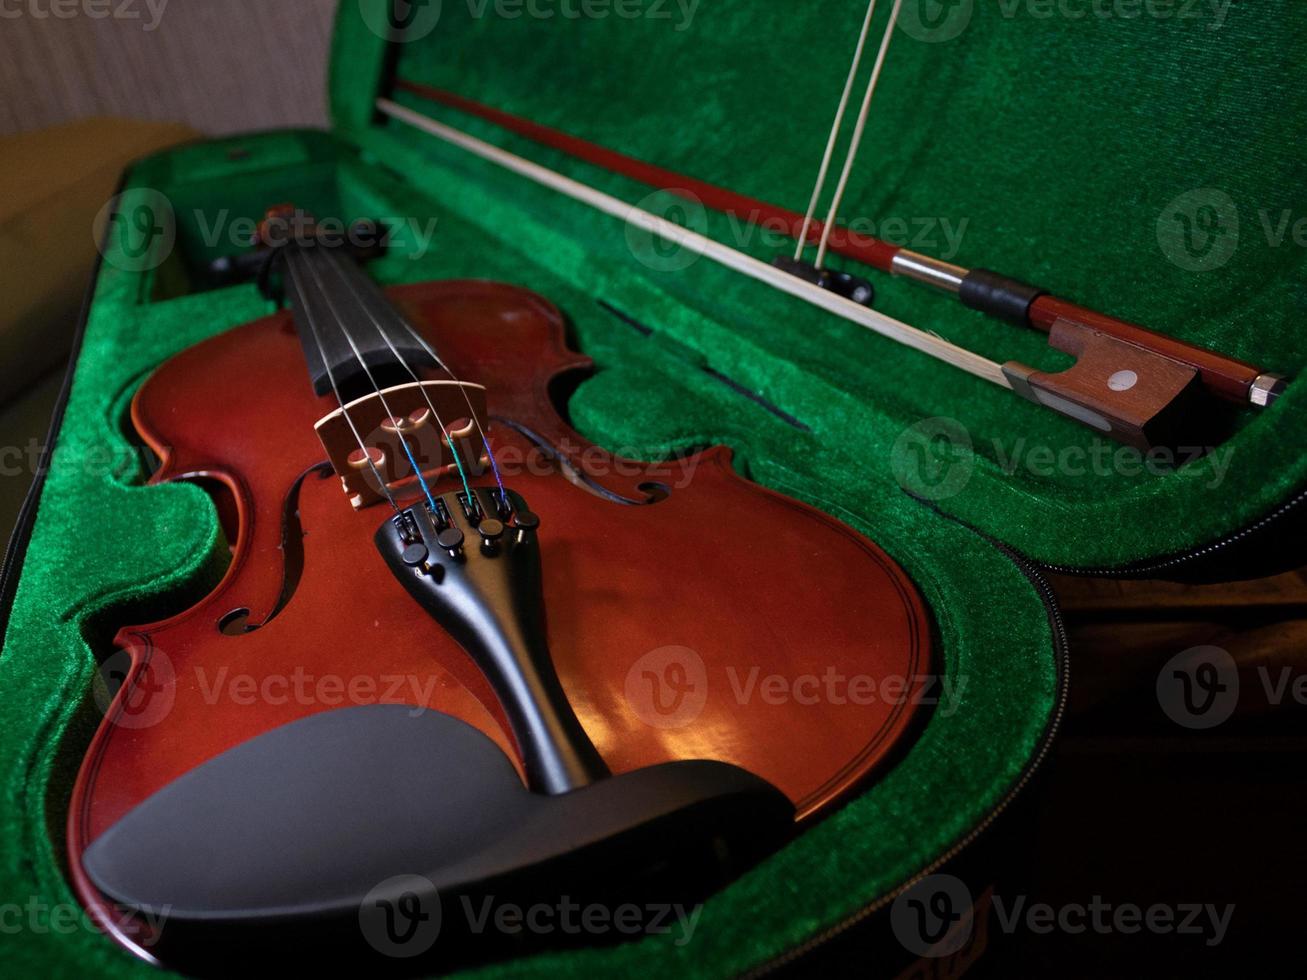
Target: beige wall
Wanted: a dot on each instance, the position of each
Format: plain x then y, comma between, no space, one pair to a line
218,65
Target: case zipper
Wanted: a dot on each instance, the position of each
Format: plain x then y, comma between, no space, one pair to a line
1147,569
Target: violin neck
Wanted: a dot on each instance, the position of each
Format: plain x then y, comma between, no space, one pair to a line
350,333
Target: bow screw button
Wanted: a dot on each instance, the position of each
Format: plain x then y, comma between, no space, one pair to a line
451,539
491,530
414,555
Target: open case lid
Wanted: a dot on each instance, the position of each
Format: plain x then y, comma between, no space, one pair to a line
1144,166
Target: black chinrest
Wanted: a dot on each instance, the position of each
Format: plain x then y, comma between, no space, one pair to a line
293,844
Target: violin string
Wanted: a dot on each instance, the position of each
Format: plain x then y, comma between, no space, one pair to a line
858,132
440,363
293,273
485,440
824,169
344,267
358,354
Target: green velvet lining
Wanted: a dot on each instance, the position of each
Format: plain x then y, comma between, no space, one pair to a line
674,98
965,761
1060,142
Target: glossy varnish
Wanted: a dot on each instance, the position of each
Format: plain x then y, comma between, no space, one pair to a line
724,621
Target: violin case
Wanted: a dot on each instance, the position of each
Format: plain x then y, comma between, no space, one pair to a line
1058,142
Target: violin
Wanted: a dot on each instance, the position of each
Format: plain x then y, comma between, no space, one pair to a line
458,649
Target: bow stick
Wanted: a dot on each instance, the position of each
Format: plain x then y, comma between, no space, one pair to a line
1130,383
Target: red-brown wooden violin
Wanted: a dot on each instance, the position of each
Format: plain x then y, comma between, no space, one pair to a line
458,650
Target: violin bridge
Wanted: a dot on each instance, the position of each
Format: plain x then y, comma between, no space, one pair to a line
398,428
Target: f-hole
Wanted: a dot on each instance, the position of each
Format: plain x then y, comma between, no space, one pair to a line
655,493
235,623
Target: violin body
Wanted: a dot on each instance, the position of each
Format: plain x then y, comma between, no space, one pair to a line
670,622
